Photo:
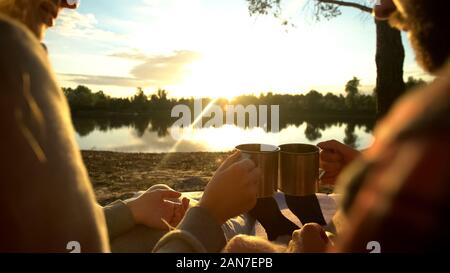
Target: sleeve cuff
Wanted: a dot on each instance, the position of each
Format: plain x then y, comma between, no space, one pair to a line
118,218
198,232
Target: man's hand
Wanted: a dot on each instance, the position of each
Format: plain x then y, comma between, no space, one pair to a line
312,238
151,208
383,9
334,157
233,189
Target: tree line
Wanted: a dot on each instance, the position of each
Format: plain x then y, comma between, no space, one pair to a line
83,101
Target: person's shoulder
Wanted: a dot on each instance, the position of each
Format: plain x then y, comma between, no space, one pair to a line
20,52
12,30
423,111
435,94
15,38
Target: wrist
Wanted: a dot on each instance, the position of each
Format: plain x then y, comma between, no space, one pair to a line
213,212
352,156
133,209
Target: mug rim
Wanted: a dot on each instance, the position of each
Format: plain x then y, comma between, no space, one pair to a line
276,150
317,149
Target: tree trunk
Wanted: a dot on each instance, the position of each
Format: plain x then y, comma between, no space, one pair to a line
390,59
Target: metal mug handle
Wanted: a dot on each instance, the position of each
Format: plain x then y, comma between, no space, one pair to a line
322,173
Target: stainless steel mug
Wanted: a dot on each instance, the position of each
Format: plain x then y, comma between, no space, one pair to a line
266,158
299,169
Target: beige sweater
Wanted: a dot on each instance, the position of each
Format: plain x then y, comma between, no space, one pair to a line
46,198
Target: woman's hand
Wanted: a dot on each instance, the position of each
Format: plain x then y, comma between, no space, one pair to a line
152,207
334,157
233,189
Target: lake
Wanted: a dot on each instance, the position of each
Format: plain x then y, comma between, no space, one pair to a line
147,134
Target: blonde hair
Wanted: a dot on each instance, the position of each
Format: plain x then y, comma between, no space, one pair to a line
16,9
22,11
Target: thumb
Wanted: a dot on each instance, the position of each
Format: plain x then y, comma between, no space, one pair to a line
338,147
185,203
165,194
230,161
331,145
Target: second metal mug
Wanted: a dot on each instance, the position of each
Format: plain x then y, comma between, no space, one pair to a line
299,169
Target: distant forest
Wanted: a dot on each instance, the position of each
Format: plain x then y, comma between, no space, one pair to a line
84,102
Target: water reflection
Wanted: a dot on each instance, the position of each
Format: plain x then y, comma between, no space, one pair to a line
152,134
350,136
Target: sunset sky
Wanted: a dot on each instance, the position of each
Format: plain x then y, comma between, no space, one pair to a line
211,48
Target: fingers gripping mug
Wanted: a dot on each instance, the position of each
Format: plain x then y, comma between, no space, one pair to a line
266,158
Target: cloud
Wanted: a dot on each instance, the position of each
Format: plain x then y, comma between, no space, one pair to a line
76,25
166,69
414,70
160,69
105,80
132,54
152,71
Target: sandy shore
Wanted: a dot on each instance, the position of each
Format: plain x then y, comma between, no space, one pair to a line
119,175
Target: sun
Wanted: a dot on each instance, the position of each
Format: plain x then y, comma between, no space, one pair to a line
209,77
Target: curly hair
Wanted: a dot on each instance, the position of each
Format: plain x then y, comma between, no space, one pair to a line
427,21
